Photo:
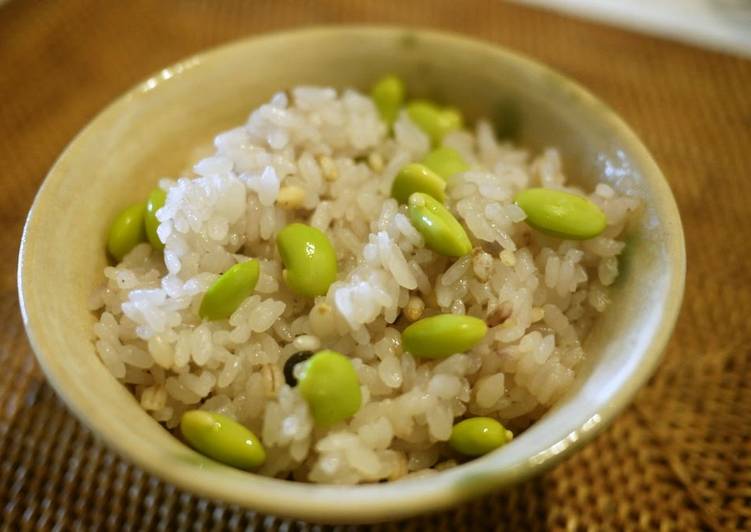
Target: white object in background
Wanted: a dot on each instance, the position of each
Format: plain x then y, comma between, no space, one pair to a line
720,24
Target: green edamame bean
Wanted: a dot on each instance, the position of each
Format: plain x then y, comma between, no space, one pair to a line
442,232
479,435
416,177
223,439
445,162
154,202
443,335
309,259
435,121
127,231
561,214
329,384
388,95
230,290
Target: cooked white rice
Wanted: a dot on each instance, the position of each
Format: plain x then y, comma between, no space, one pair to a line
325,158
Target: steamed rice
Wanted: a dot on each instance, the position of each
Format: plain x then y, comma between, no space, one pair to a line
325,158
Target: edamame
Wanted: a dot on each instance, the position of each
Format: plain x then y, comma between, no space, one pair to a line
331,387
561,214
478,435
388,95
445,162
435,121
309,259
442,232
443,335
154,202
127,231
416,177
223,439
230,290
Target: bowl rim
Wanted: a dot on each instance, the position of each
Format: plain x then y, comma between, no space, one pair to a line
374,502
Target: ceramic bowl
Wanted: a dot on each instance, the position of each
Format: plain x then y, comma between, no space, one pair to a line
151,131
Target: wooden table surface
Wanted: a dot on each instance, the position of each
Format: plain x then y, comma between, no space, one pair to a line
678,458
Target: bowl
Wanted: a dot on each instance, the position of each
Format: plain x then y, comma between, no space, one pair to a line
151,131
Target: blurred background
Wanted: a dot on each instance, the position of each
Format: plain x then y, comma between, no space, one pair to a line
678,71
719,24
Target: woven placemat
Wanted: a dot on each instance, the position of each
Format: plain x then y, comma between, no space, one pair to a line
678,459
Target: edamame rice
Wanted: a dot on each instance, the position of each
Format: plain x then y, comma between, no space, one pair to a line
270,283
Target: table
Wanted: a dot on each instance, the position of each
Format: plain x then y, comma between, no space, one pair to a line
678,458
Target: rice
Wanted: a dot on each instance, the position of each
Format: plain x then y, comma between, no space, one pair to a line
325,158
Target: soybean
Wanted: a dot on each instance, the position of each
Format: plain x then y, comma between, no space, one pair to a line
154,202
435,121
445,162
329,384
478,435
127,231
223,439
230,290
309,259
442,232
289,366
443,335
561,214
388,95
416,177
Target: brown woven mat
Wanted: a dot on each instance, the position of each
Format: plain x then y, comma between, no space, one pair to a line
679,458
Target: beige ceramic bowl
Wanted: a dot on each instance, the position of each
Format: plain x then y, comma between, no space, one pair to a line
150,132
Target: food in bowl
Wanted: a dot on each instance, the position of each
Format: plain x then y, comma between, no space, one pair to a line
357,288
